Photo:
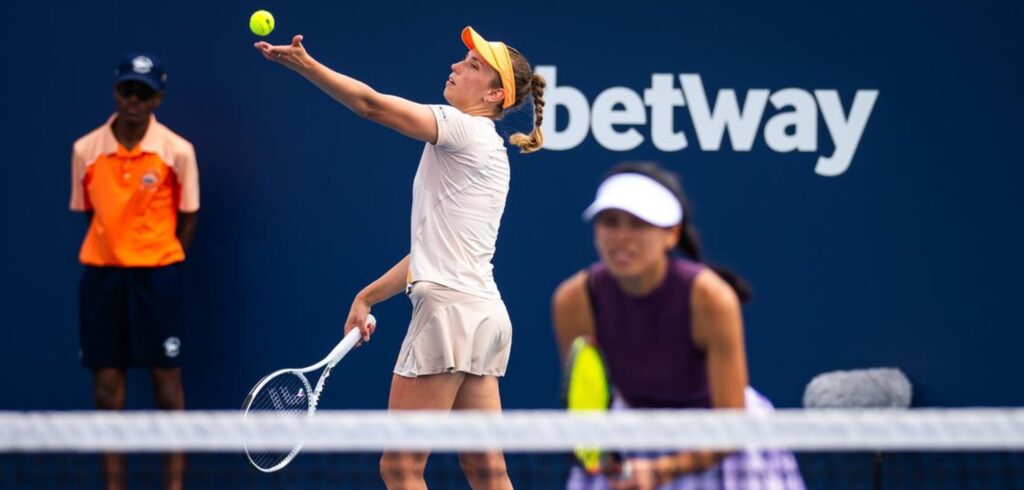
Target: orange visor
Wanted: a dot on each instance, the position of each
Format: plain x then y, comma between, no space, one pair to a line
496,55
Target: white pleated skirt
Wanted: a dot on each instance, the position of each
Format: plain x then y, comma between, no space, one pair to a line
452,331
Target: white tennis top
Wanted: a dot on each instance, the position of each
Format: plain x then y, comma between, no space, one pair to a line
458,198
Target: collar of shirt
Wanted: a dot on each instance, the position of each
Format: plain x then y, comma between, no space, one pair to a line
110,146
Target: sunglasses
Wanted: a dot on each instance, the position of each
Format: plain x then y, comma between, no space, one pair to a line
140,91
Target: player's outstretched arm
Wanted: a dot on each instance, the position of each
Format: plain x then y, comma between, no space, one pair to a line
409,118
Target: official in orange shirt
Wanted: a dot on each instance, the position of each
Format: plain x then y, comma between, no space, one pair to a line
137,182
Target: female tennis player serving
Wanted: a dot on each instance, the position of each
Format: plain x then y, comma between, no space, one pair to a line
460,335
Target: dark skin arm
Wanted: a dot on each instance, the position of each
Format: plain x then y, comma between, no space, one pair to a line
186,229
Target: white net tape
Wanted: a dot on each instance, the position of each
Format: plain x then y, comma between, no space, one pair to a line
514,431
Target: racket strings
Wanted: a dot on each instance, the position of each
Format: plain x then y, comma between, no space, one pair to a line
287,393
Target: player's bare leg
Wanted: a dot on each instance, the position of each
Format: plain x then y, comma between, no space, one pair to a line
485,471
404,470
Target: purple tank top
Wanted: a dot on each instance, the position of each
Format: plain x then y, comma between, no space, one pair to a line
647,341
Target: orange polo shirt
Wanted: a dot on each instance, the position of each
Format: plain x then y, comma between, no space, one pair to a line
135,195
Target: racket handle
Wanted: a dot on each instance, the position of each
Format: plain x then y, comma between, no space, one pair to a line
347,343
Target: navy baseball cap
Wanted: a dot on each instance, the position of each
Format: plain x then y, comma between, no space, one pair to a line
142,68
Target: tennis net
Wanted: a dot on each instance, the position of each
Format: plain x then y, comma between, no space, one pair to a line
786,449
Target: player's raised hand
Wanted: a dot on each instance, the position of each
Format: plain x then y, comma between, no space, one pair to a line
293,56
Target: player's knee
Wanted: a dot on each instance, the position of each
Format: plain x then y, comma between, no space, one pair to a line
483,466
398,468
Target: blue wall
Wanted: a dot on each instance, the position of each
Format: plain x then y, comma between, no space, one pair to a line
908,257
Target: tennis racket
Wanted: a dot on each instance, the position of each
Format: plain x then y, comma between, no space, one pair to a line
587,388
288,391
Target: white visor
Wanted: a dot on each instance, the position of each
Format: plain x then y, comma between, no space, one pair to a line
640,196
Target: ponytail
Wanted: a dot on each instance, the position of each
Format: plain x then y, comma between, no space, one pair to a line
532,142
528,84
689,245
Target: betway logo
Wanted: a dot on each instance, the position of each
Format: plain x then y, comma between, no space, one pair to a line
615,113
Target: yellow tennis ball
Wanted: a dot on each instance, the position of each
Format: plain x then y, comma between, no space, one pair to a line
261,23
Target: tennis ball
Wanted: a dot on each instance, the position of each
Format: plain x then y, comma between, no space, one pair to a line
261,23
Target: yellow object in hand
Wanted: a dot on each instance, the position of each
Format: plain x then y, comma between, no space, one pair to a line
261,23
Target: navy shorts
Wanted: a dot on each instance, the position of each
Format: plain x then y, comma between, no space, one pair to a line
131,317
